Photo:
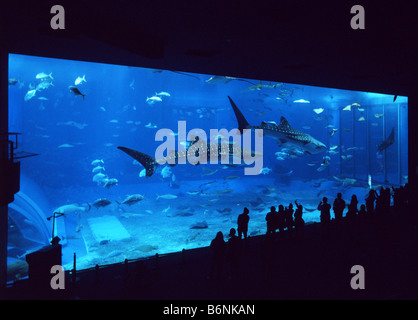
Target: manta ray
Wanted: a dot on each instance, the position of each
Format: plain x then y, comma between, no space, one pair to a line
283,133
387,142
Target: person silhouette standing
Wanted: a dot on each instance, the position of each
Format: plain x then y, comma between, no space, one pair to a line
243,220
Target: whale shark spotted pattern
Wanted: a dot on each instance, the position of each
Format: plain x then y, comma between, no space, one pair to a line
283,132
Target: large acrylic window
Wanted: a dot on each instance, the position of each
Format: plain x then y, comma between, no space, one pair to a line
75,114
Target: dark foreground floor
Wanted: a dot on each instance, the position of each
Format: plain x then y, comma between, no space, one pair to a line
315,267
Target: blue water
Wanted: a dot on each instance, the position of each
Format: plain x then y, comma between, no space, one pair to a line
69,132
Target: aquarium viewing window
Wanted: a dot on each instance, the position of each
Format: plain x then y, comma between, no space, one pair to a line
141,161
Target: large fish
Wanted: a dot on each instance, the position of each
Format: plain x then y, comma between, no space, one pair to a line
150,164
283,132
387,142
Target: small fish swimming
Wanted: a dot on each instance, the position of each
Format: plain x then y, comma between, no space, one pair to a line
98,169
378,115
100,203
80,80
333,132
65,145
153,100
13,81
304,101
361,119
318,111
132,199
107,183
76,91
70,209
347,108
30,94
99,177
97,162
265,170
44,76
166,196
162,93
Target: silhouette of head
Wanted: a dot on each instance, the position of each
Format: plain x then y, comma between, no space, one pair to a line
273,208
281,208
339,195
219,235
246,211
232,232
325,199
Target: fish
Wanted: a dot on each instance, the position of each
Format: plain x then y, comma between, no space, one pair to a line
333,147
70,209
378,115
306,101
208,172
43,76
151,126
226,210
347,108
107,183
13,81
318,111
65,145
97,162
333,131
76,91
345,181
194,192
224,79
166,172
42,98
72,123
100,203
361,119
114,121
150,164
153,100
199,225
283,132
265,170
260,86
30,94
132,199
162,93
167,196
99,177
355,104
387,142
44,85
80,80
98,169
142,173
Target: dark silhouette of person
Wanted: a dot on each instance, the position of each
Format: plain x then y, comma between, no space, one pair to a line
243,220
362,218
234,253
351,215
338,207
299,222
271,219
324,207
371,198
217,247
352,209
380,201
280,220
288,214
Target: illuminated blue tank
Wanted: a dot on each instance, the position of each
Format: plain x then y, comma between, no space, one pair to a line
115,177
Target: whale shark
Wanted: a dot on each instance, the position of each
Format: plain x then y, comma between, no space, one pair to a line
283,133
225,149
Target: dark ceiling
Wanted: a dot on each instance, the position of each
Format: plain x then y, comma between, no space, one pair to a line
297,41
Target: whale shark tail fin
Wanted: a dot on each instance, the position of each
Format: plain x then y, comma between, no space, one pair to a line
147,161
242,122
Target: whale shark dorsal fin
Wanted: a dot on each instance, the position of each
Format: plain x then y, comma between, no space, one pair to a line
147,161
284,124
